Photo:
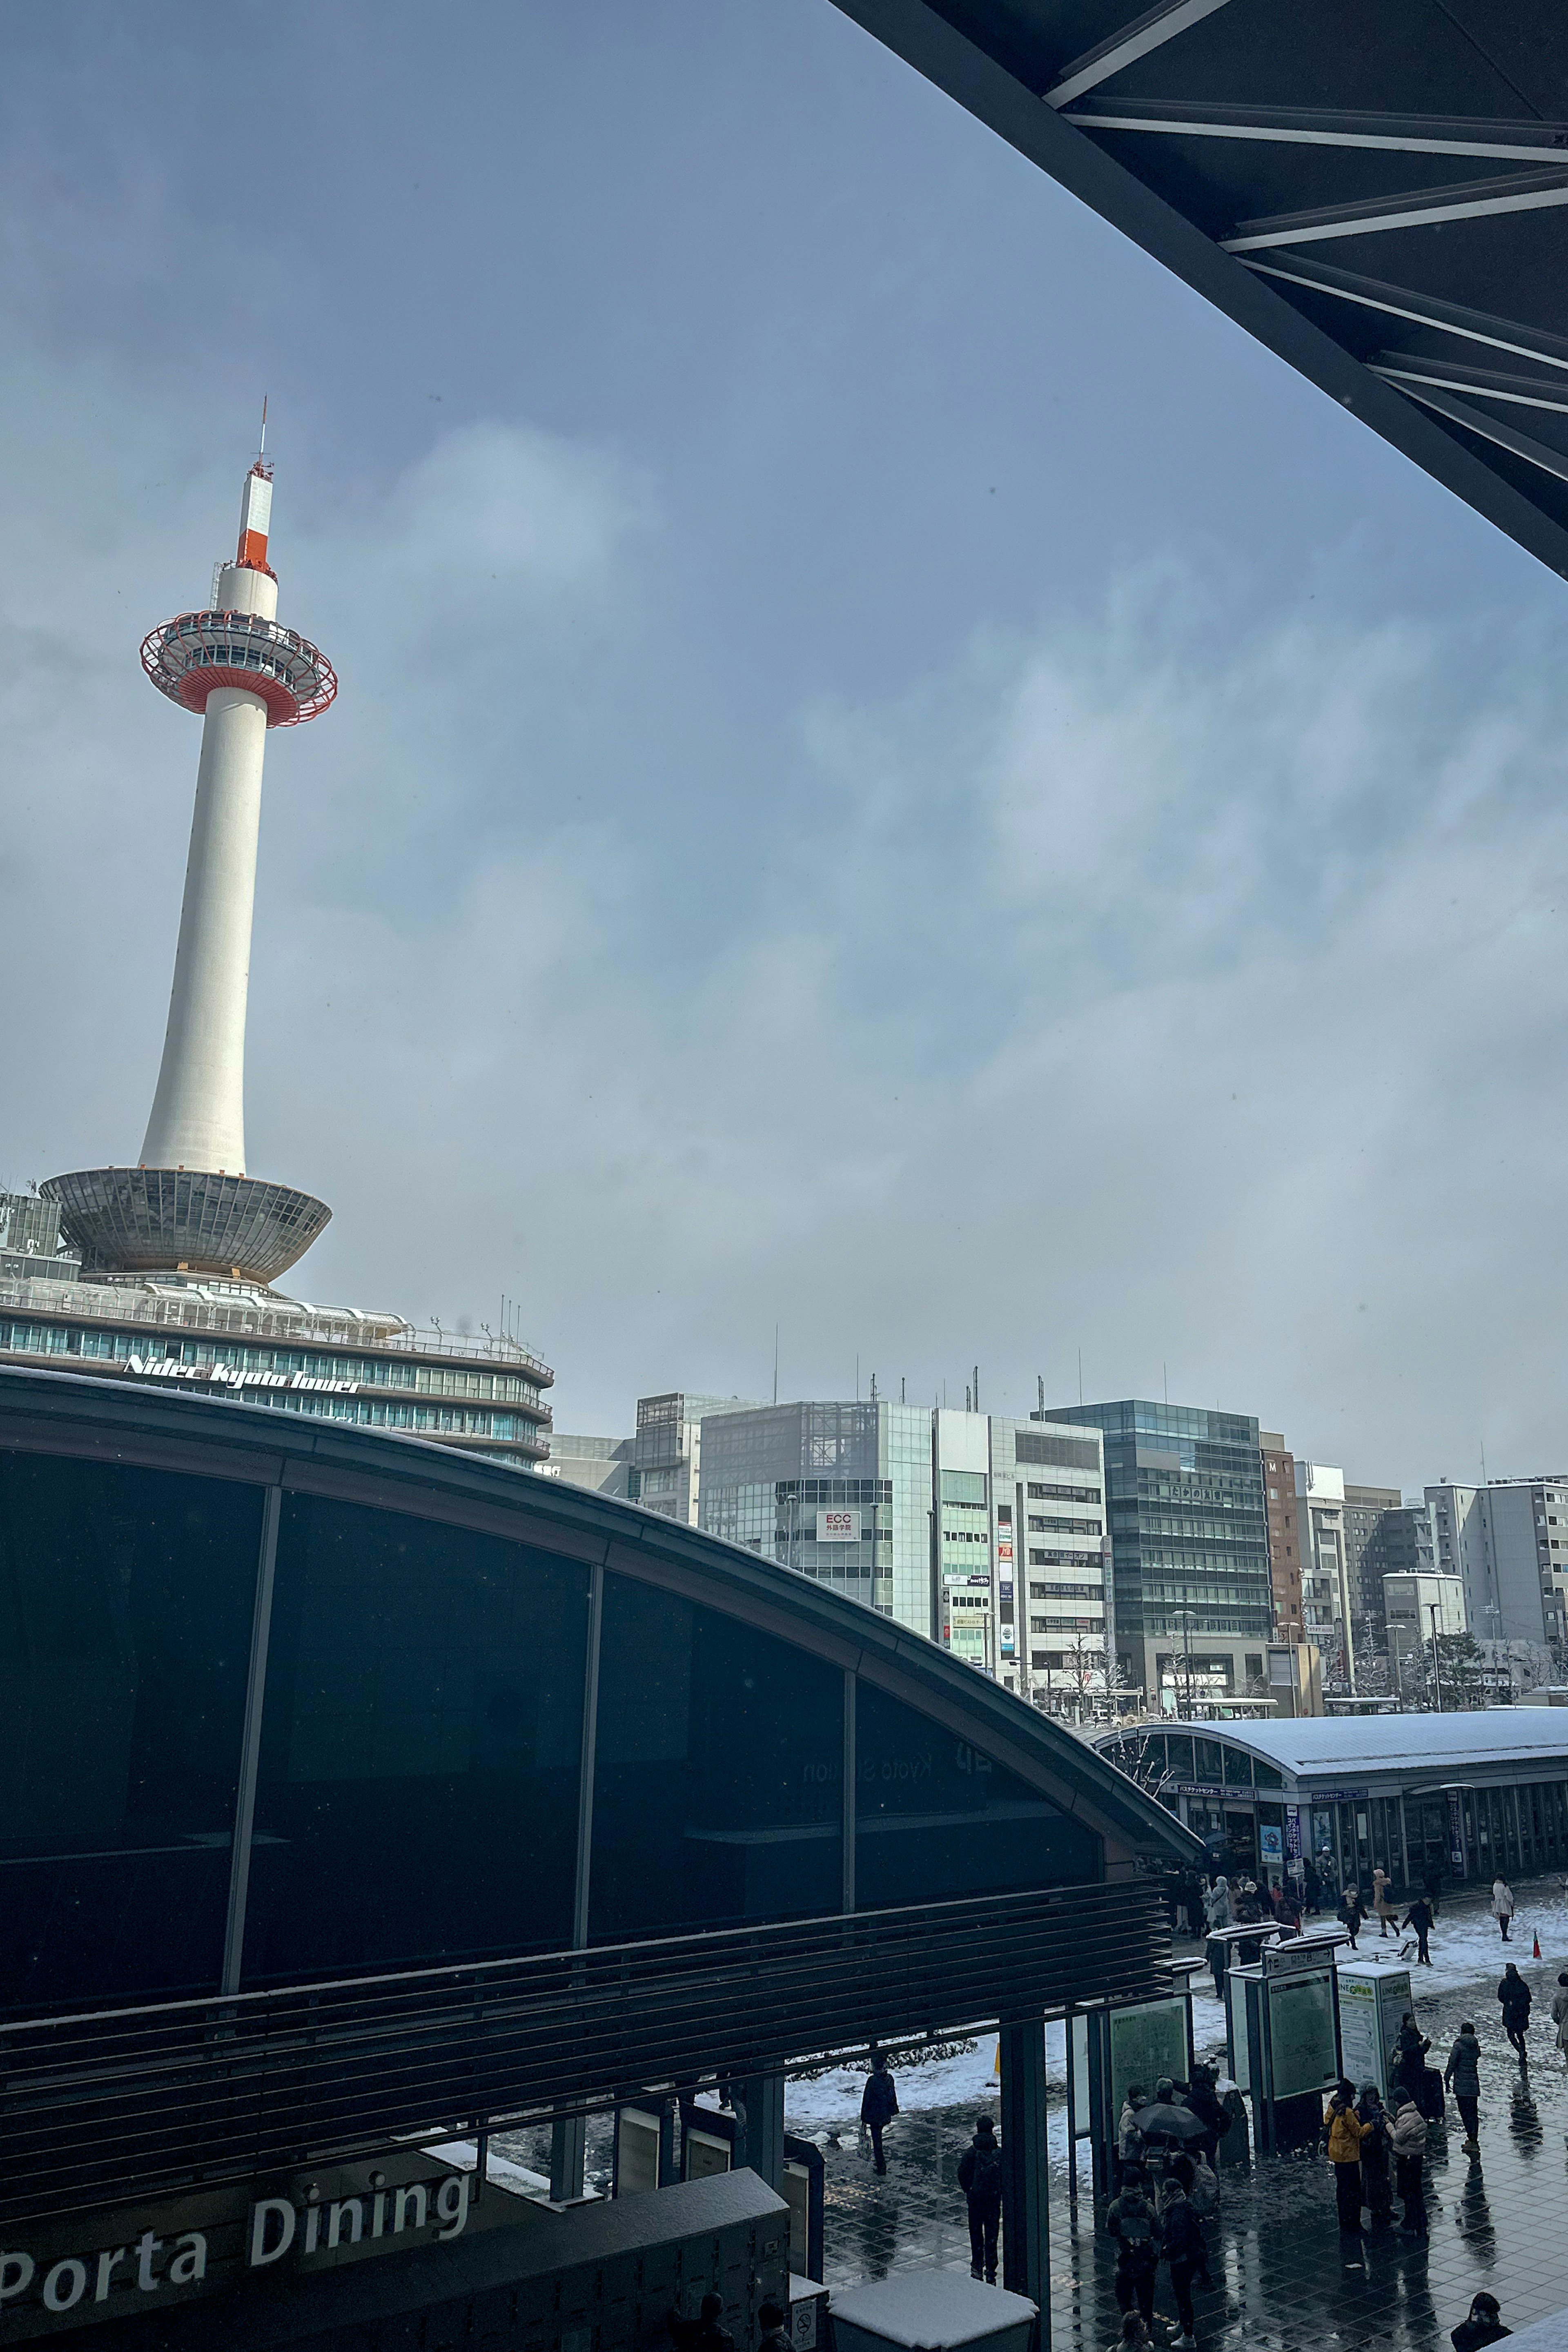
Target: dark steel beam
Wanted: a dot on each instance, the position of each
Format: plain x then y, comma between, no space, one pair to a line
922,36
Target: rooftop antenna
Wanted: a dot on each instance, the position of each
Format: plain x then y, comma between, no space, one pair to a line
262,451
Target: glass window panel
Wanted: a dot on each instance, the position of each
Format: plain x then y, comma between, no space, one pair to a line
718,1773
1210,1767
126,1601
935,1818
1268,1776
1179,1756
421,1746
1237,1768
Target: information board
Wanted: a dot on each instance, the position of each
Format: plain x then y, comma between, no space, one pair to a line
1373,2002
1301,2031
1146,2042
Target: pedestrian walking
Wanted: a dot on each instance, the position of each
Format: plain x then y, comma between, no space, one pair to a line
1560,2013
878,2105
1285,1908
1502,1904
1352,1911
1311,1887
1483,2326
1420,1917
1383,1907
1409,2142
1515,1996
1463,2075
1342,2135
1376,2158
979,2177
1187,2253
1135,2226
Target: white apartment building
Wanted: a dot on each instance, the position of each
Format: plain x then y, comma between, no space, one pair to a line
1325,1582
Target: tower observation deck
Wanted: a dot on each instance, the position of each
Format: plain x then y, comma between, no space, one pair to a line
189,1206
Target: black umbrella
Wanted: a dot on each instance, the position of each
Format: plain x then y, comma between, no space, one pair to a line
1163,2119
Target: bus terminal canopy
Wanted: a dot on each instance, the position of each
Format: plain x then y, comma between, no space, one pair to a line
1380,195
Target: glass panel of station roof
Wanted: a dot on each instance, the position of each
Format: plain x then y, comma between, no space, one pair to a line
1237,1768
935,1816
1209,1761
718,1771
1179,1756
1266,1776
126,1599
421,1746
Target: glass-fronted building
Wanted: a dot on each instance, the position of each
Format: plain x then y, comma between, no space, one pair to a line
1189,1547
234,1340
1463,1796
986,1535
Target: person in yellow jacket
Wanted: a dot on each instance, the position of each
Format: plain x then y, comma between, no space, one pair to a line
1343,2133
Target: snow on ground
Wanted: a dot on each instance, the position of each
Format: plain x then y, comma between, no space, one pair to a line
1465,1947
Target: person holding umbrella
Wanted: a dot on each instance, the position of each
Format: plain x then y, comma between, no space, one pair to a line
1165,2124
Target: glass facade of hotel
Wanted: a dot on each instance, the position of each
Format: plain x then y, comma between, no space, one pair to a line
1186,1514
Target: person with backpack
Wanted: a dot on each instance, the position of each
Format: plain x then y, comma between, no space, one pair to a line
1132,2222
979,2177
1353,1912
1376,2174
1515,1996
1463,2075
1343,2133
1187,2251
1409,2141
878,2105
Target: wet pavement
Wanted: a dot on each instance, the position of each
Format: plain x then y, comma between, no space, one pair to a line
1285,2279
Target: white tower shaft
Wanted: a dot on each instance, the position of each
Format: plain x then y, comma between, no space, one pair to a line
198,1111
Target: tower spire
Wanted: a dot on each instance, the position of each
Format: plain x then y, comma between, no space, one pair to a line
189,1206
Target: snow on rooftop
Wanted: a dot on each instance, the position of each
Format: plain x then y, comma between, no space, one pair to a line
1399,1743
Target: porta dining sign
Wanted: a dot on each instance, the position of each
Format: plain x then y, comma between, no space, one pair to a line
115,2265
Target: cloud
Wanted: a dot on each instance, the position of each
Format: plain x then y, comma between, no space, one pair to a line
1185,991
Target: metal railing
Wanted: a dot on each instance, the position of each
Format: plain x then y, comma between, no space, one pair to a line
138,2102
287,1324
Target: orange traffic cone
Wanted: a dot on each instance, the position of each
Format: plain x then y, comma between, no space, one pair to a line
1536,1954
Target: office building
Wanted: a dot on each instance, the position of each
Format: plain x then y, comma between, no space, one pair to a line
1192,1603
985,1534
163,1271
1368,1556
1419,1607
1509,1543
667,1454
601,1465
1279,1516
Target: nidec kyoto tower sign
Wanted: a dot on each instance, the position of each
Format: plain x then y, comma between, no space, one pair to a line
189,1206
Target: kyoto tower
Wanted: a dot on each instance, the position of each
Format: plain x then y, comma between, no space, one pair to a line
189,1207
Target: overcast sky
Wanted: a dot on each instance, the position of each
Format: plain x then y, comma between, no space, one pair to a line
894,776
